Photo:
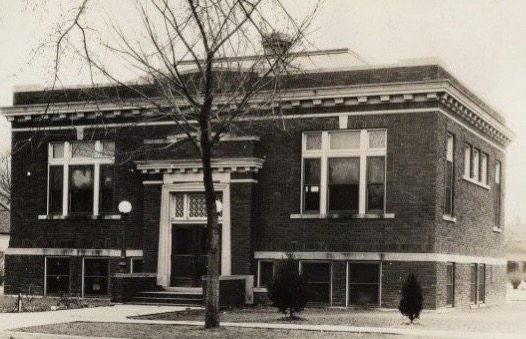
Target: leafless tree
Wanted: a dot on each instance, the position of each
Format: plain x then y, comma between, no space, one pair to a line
206,61
5,181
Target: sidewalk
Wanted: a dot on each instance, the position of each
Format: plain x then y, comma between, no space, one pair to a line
119,314
482,328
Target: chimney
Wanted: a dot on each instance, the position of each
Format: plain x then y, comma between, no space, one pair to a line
276,43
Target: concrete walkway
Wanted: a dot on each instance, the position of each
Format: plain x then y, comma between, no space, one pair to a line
119,314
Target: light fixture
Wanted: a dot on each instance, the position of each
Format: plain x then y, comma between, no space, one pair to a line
219,206
125,207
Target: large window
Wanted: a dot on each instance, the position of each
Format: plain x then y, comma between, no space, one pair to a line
364,284
57,275
81,178
475,165
450,176
317,276
498,194
96,277
344,171
481,279
450,284
473,283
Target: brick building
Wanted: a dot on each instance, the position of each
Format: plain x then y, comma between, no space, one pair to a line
382,171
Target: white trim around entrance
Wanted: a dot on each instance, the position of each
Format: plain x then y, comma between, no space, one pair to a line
191,182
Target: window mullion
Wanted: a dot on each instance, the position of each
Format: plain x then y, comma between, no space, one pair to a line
323,174
363,167
96,188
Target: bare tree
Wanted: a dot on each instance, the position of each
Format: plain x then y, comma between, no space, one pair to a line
211,62
5,181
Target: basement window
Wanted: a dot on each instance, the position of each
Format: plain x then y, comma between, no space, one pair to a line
57,275
96,277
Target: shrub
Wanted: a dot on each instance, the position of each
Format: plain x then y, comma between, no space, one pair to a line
412,300
287,291
515,279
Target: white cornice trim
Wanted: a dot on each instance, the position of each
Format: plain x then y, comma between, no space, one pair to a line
382,256
307,116
72,252
437,90
244,165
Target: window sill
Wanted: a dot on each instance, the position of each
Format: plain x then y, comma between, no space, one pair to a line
344,216
497,229
260,289
476,182
449,218
79,217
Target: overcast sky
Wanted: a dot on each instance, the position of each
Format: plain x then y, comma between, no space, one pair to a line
483,43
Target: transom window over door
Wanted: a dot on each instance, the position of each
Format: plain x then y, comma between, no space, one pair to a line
81,177
190,206
344,171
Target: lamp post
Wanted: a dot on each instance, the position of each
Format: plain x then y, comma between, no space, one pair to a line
125,208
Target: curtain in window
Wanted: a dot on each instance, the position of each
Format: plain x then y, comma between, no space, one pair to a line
344,179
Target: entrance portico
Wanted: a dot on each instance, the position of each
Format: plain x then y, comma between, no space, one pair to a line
183,220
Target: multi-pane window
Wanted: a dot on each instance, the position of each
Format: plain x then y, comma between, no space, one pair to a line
364,284
266,273
450,175
57,275
498,193
96,276
475,165
344,171
481,280
450,284
81,177
317,277
136,265
190,205
473,283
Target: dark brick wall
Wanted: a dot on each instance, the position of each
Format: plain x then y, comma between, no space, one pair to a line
241,228
339,281
472,234
394,274
152,214
124,287
29,200
411,177
25,274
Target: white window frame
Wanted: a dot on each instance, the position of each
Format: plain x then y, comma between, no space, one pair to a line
476,164
325,153
132,265
186,207
450,158
83,275
348,282
258,283
67,161
320,262
45,271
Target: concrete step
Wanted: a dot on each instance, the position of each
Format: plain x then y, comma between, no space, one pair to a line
180,297
163,294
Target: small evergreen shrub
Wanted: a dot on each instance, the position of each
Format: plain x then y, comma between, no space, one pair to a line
288,291
515,279
412,301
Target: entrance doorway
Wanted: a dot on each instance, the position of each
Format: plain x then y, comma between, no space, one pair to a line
189,254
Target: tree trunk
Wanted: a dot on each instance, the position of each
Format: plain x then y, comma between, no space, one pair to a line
212,285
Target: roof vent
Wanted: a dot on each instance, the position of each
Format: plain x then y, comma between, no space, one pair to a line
276,43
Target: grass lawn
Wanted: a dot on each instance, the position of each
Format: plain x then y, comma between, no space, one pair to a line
174,332
503,318
9,304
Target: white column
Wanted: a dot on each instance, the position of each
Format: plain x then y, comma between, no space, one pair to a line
165,241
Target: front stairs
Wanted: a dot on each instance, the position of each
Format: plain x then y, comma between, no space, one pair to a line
172,296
